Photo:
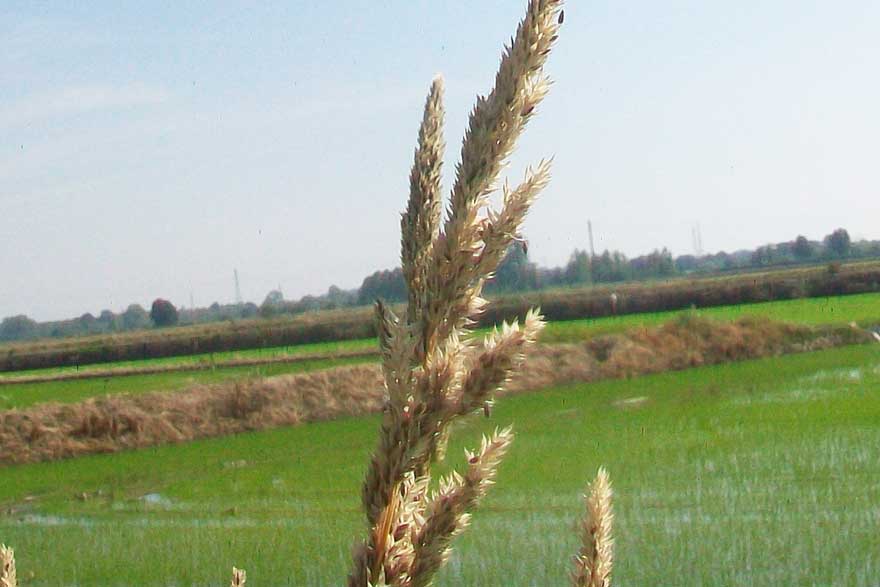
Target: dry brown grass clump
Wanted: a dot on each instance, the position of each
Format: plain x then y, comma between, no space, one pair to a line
113,423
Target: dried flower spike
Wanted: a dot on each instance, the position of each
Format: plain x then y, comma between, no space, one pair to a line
433,371
594,561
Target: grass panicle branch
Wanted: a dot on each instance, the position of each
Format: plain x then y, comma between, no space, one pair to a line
501,228
491,367
594,561
495,123
448,512
7,567
421,221
433,371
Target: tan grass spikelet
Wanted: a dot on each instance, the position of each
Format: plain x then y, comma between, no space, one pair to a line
239,577
501,228
491,367
420,222
594,561
495,123
7,567
447,513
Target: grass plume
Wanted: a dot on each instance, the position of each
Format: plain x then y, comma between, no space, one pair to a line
433,371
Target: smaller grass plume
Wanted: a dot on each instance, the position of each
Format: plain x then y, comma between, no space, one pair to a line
7,567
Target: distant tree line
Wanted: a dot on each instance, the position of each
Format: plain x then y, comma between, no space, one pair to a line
516,273
162,313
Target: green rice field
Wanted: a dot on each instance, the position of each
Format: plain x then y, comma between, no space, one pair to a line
755,473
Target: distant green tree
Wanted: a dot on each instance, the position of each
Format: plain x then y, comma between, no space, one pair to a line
687,263
163,313
17,328
336,297
838,243
87,323
656,264
135,317
386,285
610,267
274,298
663,263
763,256
802,248
273,304
514,273
578,271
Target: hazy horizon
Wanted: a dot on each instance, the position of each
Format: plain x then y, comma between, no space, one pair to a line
148,153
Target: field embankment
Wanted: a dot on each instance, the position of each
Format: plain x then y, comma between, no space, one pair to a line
179,367
111,423
357,323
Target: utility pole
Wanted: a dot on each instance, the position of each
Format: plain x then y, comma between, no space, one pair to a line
697,240
590,232
238,300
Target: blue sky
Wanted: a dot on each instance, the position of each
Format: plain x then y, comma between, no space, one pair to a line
148,149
